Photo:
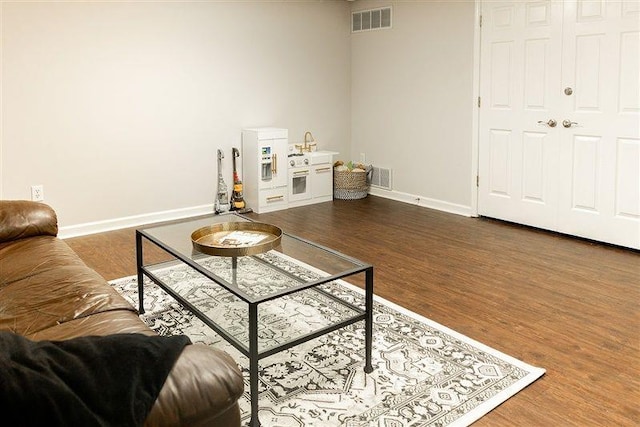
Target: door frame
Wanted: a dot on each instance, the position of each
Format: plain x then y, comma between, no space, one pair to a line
475,121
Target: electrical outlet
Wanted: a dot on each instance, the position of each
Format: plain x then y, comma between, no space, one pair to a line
37,193
363,158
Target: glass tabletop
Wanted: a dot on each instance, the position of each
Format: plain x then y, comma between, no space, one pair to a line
293,265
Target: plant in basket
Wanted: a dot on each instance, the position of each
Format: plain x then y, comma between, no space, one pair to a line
351,181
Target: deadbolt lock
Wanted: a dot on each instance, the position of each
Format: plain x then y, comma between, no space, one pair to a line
568,91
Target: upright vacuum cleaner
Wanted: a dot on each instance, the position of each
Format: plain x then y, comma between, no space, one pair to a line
222,198
237,199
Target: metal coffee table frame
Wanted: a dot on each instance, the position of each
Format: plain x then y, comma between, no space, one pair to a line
252,351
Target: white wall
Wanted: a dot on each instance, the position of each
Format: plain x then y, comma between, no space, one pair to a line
412,100
118,108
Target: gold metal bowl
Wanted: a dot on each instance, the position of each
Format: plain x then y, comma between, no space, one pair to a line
235,239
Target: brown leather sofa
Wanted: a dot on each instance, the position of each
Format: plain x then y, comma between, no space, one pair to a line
48,293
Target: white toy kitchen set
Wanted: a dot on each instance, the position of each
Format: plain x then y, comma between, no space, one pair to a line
278,175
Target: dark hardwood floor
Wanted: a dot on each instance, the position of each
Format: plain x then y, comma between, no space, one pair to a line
567,305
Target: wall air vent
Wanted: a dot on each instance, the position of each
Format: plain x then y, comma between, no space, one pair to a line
381,178
372,19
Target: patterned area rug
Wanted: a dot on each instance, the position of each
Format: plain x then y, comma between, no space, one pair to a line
424,373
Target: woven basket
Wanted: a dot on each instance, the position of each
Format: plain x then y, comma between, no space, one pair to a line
348,185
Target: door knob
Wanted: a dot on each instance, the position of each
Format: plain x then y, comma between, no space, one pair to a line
568,123
551,123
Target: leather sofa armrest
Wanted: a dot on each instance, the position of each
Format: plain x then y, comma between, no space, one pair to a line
21,218
204,384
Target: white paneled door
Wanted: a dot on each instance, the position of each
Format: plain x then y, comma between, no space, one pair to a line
559,144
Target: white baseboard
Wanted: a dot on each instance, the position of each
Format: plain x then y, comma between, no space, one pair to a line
423,201
137,220
132,221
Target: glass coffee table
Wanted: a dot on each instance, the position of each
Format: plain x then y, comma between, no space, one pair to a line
292,269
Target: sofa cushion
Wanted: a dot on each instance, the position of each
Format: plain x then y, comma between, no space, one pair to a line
27,257
55,296
105,323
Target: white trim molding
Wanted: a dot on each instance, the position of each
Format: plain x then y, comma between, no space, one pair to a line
132,221
425,202
475,121
155,217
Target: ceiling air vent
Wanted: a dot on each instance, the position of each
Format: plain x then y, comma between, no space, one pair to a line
372,19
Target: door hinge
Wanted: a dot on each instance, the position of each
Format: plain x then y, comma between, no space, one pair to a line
480,23
477,180
478,102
